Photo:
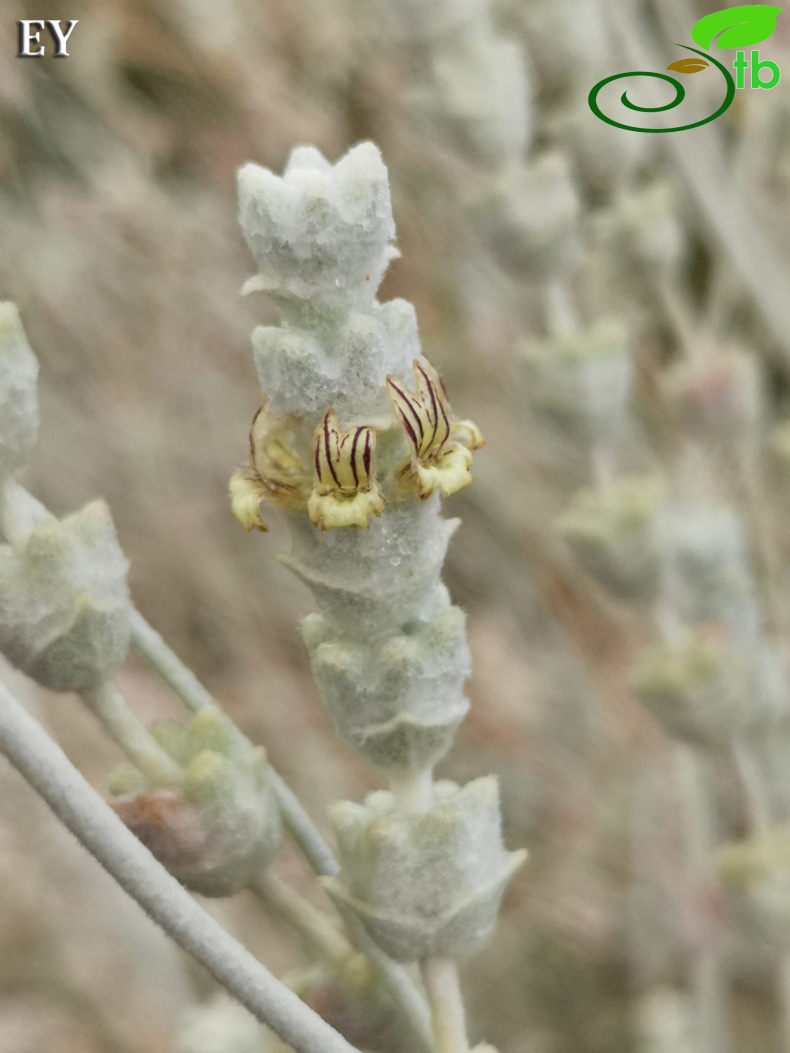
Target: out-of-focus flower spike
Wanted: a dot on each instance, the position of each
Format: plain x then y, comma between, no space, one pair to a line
345,491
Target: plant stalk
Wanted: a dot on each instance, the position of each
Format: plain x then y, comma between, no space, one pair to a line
108,705
440,976
317,929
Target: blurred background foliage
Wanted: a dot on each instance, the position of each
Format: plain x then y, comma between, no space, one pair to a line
120,247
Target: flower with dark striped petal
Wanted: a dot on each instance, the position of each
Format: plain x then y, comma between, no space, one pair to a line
274,472
344,491
441,447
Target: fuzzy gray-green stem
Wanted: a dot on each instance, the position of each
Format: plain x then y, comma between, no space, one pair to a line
108,705
414,791
440,976
316,928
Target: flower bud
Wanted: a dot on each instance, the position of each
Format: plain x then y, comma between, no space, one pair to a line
612,532
126,779
581,384
424,884
64,620
320,232
220,824
18,392
397,700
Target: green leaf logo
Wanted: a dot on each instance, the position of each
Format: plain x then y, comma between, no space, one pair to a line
736,27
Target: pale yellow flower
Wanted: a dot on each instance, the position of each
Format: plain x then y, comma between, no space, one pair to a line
345,491
246,493
275,470
441,448
274,456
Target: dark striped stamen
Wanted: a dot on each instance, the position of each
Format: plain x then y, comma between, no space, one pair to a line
328,449
357,433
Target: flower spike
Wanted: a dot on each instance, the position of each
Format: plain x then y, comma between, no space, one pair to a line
345,491
441,447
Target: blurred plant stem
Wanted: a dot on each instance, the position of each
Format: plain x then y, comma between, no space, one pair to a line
760,822
708,974
562,316
755,800
750,482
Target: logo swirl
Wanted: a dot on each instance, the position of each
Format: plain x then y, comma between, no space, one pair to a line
680,94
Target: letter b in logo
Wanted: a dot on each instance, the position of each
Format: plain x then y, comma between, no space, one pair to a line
757,67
